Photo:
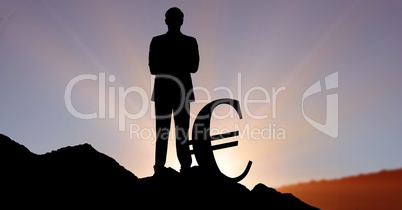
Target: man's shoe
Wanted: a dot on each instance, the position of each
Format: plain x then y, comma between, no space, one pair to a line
185,170
159,170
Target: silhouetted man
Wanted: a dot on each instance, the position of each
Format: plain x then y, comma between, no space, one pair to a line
173,56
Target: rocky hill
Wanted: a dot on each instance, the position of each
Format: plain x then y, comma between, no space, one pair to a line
78,175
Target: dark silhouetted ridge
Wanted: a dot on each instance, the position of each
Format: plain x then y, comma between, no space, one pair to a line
78,175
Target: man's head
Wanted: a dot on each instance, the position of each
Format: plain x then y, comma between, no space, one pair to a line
174,18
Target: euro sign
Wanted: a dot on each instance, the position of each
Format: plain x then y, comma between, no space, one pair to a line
201,139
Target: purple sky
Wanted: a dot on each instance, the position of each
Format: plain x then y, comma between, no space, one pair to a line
248,50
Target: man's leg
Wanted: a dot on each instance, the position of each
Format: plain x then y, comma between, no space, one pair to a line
163,114
182,124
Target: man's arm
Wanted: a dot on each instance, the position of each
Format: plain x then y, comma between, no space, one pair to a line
194,58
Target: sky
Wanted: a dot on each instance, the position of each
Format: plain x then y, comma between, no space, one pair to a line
318,82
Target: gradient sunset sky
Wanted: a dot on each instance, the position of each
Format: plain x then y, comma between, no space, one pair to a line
265,45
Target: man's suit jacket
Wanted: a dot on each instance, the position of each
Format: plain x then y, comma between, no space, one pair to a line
172,59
